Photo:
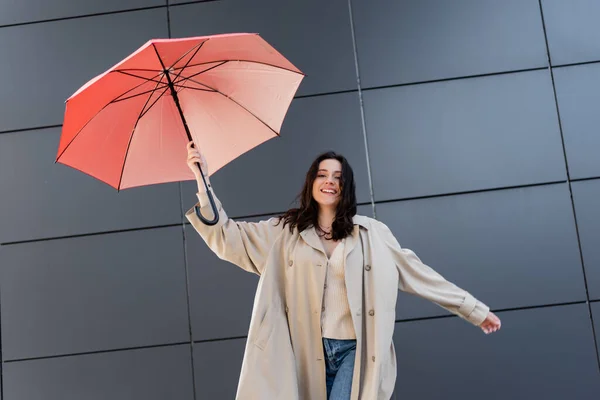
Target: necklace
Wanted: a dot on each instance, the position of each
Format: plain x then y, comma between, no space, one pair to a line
326,234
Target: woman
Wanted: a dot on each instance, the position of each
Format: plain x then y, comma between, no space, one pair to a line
324,311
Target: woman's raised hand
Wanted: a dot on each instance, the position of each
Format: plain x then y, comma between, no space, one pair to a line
195,156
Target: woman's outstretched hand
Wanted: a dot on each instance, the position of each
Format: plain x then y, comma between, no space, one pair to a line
195,156
491,323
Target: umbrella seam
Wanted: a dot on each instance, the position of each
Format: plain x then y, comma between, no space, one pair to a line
200,73
197,47
239,104
191,88
152,105
188,61
94,116
140,77
248,61
217,91
137,95
140,115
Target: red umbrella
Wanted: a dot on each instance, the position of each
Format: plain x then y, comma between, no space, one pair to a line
130,125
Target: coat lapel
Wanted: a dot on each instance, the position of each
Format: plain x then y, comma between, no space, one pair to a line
353,273
311,238
351,242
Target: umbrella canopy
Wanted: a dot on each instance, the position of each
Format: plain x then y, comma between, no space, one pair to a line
130,125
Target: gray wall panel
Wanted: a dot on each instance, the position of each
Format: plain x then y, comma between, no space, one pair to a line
50,61
93,293
542,353
572,30
596,316
463,135
586,196
496,245
41,199
268,178
420,40
313,35
221,294
14,12
485,129
217,368
172,2
578,93
149,374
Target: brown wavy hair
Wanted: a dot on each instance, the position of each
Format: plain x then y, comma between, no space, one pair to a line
307,215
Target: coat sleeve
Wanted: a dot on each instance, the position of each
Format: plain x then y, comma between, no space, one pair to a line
245,244
419,279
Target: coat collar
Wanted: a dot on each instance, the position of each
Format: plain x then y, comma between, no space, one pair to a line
312,239
361,220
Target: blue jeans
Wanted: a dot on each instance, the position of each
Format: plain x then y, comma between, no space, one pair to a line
339,367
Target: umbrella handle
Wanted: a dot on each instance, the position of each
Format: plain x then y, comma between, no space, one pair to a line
212,204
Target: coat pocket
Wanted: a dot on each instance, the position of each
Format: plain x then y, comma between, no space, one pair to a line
264,331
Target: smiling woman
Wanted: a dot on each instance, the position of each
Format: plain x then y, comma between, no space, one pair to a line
326,191
327,200
324,314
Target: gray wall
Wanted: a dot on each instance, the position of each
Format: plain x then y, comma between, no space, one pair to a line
473,128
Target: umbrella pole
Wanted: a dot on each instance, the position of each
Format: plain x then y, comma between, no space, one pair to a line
187,131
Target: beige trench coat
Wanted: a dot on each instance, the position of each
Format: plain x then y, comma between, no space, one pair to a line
283,358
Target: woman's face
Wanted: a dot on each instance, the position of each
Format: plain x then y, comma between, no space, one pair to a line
327,188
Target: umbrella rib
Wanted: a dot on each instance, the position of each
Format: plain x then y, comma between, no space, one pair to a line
153,103
239,104
138,94
138,76
223,94
139,69
133,88
133,132
183,55
248,61
193,88
93,117
199,73
199,83
188,61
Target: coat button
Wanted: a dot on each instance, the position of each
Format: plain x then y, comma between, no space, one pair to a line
323,308
372,312
290,263
368,267
287,310
325,286
373,358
